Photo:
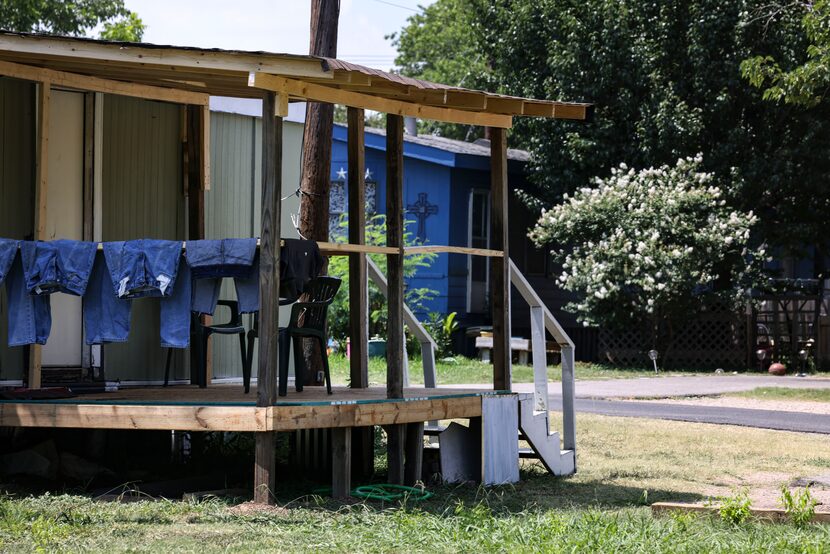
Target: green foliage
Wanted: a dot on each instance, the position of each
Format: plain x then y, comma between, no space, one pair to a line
129,28
650,247
338,317
442,328
735,509
805,84
70,17
800,507
666,82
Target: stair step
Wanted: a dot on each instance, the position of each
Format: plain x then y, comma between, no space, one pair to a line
528,453
433,430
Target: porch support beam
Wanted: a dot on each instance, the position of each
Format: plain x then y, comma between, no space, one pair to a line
269,286
500,266
394,262
194,162
97,84
44,96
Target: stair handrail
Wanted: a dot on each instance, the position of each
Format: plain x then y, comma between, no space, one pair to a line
542,319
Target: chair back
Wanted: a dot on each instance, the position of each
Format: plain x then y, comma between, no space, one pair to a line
310,313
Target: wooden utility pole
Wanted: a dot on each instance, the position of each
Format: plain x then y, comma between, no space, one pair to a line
316,166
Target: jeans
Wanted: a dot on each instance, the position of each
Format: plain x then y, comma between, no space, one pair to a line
138,269
29,316
212,260
57,266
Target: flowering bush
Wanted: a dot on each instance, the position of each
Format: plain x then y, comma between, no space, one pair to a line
650,247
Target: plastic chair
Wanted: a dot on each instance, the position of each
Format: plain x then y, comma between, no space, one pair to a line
308,320
233,326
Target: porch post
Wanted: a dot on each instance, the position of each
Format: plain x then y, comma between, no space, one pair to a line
194,161
394,267
500,268
44,95
362,437
269,285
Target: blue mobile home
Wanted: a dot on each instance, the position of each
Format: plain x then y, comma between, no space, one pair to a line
447,196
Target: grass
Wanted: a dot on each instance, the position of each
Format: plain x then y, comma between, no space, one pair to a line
781,393
469,371
623,465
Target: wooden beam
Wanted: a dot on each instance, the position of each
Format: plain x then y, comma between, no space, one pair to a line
341,462
44,98
414,453
269,285
438,249
322,93
103,53
394,262
97,84
500,267
204,147
340,249
358,279
193,171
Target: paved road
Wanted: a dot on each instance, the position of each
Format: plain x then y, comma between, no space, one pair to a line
666,387
765,419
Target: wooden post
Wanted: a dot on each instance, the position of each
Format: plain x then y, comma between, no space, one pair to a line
358,280
414,453
395,300
44,98
269,286
341,462
363,447
194,163
500,272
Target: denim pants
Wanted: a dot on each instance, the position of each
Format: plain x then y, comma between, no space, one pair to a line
29,317
138,269
57,266
212,260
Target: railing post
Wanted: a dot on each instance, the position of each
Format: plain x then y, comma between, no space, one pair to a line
540,362
568,423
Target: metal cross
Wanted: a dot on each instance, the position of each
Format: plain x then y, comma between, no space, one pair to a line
422,210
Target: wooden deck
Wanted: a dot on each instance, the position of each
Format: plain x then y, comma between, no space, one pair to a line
227,408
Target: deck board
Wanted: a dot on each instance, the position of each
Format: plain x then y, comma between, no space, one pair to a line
227,408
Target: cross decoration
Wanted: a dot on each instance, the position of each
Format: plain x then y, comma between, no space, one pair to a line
422,210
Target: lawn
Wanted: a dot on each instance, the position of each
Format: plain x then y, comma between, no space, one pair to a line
781,393
465,370
624,464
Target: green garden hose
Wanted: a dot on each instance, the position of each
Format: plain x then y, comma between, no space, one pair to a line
384,492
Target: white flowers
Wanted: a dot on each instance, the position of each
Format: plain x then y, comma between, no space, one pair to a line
646,240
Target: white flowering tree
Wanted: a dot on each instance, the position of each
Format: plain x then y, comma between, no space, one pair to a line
650,247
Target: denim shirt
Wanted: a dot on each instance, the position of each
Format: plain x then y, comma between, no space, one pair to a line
57,266
212,260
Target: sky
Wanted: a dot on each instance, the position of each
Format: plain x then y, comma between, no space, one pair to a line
276,25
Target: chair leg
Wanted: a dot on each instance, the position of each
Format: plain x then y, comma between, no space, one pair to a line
167,366
299,364
325,355
242,351
249,361
284,356
203,360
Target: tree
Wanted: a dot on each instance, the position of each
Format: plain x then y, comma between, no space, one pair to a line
71,17
646,249
805,84
666,82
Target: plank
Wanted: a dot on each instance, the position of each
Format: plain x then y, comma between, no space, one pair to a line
340,249
358,276
97,84
500,268
204,147
568,395
499,447
149,57
438,249
540,362
518,280
341,462
321,93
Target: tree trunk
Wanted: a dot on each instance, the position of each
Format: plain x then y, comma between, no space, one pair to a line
316,166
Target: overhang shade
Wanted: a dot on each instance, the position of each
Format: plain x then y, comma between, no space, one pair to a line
189,75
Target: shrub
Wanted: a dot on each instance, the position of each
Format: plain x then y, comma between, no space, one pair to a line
800,507
648,248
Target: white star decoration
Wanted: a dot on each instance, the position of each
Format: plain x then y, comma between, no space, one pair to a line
341,174
368,174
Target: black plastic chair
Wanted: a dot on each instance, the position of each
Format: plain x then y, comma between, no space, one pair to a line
233,326
308,320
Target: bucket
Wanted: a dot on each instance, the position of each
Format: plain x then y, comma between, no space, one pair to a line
377,348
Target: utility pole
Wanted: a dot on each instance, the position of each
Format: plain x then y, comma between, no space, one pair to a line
317,136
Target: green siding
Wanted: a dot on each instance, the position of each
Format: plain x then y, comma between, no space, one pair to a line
232,206
17,192
142,198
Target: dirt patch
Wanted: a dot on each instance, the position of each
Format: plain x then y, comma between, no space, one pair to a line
255,508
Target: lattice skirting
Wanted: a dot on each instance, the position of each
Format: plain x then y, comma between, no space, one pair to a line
713,339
